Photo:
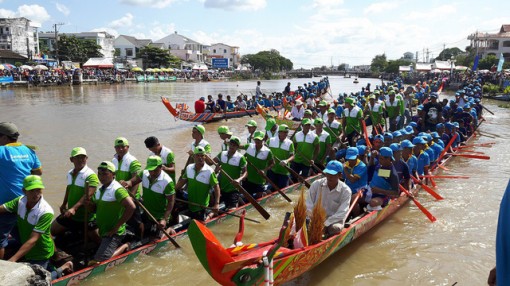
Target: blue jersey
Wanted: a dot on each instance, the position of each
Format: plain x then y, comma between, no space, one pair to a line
412,163
16,162
432,154
339,111
423,160
360,169
437,150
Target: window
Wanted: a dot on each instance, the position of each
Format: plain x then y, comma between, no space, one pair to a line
506,44
129,52
224,51
214,51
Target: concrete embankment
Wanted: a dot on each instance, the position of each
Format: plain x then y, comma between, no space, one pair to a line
18,274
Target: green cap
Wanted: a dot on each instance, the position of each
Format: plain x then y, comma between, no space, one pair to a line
236,140
377,92
9,129
323,103
121,141
153,162
200,129
199,150
258,135
78,151
32,182
224,130
349,100
251,123
391,92
306,121
107,165
372,96
270,122
283,128
318,121
308,111
331,110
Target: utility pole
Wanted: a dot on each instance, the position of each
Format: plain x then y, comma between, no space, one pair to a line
55,26
423,56
444,47
428,55
417,56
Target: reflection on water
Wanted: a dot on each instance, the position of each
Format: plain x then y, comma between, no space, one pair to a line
405,250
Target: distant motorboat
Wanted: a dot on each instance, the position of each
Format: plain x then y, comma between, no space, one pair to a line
355,80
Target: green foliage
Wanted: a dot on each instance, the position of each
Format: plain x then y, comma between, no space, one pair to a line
487,62
267,61
447,54
155,57
392,66
18,64
507,90
77,50
491,89
341,67
379,63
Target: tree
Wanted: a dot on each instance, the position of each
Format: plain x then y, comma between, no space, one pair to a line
341,67
487,62
267,61
447,54
393,65
379,63
155,57
77,50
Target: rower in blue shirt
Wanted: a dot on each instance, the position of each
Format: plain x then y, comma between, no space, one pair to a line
403,173
423,158
409,158
355,174
383,179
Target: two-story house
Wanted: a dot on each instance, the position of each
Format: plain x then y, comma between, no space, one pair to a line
103,39
127,47
224,51
20,36
492,43
183,47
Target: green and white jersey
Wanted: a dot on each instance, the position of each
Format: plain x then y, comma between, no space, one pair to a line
335,127
271,134
199,184
167,157
109,208
393,108
126,168
281,150
305,145
260,159
324,139
352,119
155,193
400,97
376,113
233,166
36,219
204,144
76,189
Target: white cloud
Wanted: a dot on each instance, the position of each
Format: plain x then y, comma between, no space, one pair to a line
123,22
381,7
62,9
7,13
110,31
239,5
150,3
327,4
34,13
432,14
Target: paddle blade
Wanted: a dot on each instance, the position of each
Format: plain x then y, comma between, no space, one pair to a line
427,189
422,208
473,156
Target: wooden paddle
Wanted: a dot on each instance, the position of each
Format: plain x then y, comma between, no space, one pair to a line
309,161
294,173
420,206
275,187
472,156
427,188
446,148
209,208
154,220
365,133
245,193
487,109
446,177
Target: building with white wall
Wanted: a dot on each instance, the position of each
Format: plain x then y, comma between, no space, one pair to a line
221,50
183,47
103,39
127,47
492,43
20,36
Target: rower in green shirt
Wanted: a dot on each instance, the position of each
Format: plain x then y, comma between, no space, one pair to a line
259,157
158,195
307,148
34,216
82,183
166,154
351,122
374,110
325,143
200,179
282,149
234,164
394,109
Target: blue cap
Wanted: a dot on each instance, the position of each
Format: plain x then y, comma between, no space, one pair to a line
406,144
340,153
413,124
427,137
379,137
352,153
361,142
395,147
419,107
467,105
448,125
439,125
435,135
396,134
459,109
419,140
409,129
456,124
388,135
433,94
362,149
386,152
333,167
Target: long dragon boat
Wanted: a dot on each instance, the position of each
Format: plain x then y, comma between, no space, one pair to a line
269,263
181,229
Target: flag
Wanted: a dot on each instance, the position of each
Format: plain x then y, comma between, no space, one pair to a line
501,62
475,64
301,238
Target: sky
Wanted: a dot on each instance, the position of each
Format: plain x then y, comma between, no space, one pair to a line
310,33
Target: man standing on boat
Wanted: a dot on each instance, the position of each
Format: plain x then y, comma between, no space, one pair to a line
82,183
259,157
17,161
258,92
114,207
158,194
336,197
200,179
166,154
286,91
283,150
234,164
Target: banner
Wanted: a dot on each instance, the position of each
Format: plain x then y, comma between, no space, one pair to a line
501,62
475,64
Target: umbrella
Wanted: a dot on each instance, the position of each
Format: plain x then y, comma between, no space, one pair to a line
7,66
137,69
156,70
149,70
41,67
461,68
26,67
170,69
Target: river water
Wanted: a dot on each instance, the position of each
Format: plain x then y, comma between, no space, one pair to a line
406,249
